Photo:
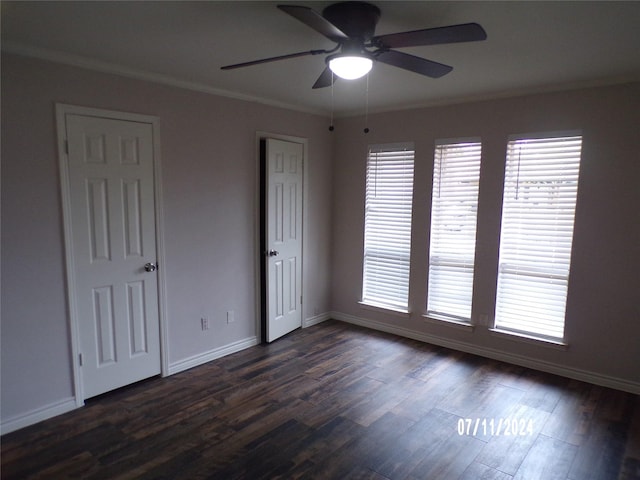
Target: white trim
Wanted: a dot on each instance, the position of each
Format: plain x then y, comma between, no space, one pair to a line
263,135
448,322
392,147
311,321
202,358
376,307
494,96
115,69
530,339
521,360
64,109
61,111
550,135
78,390
137,74
38,415
443,142
160,249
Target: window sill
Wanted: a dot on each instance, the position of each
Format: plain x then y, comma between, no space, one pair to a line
385,308
449,322
530,339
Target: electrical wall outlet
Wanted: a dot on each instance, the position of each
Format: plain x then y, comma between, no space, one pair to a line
231,316
204,323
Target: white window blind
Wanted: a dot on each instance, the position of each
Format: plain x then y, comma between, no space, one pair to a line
387,231
540,190
454,208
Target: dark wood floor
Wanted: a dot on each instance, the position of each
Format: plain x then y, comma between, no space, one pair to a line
336,401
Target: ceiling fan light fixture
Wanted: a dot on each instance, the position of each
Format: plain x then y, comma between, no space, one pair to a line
350,67
351,26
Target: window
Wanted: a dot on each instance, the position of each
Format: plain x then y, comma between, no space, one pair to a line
454,208
540,190
387,230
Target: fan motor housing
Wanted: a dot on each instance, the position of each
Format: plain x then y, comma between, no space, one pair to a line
357,19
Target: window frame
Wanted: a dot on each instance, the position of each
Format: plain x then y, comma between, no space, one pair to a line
454,252
396,252
561,275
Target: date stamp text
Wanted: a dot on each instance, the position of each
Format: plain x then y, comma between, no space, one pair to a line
495,426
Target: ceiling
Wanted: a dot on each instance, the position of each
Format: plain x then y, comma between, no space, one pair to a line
531,47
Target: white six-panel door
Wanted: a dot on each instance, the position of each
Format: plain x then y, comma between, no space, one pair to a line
111,199
284,180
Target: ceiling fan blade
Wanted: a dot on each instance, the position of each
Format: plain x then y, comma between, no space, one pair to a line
273,59
415,64
466,32
313,19
325,79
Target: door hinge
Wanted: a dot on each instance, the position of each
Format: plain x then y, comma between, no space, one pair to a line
300,299
80,359
66,147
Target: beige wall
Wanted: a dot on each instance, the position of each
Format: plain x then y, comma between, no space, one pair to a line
208,160
603,305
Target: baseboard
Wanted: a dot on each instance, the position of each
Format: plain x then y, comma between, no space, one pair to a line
38,414
564,371
66,405
311,321
214,354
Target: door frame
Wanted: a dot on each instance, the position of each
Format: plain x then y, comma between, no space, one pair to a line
259,255
63,162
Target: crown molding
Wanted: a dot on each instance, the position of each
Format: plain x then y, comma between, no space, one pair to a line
138,74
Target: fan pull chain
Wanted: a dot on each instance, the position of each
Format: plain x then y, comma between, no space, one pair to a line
366,108
331,121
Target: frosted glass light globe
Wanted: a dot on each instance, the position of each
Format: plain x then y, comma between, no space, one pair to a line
350,67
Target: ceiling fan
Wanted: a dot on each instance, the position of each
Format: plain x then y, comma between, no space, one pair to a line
351,25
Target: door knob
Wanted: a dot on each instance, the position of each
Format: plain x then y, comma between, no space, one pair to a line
272,253
150,267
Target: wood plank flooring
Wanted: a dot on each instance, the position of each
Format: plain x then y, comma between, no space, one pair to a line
335,401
